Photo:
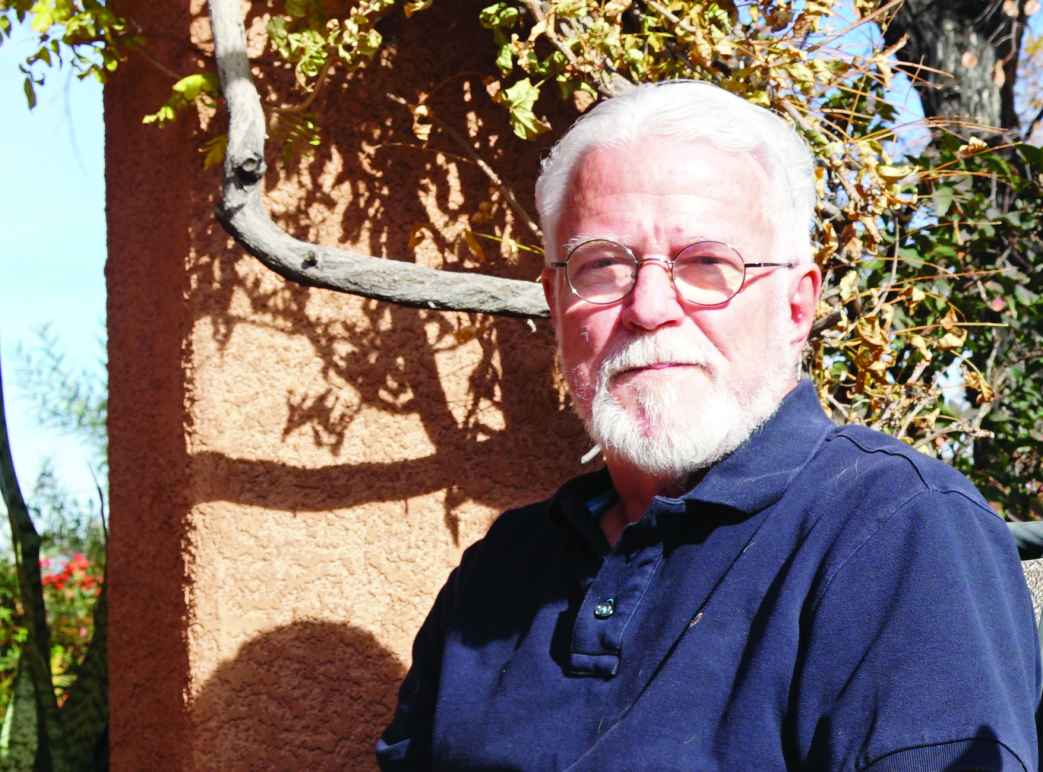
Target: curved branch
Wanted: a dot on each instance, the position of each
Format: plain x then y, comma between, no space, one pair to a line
243,215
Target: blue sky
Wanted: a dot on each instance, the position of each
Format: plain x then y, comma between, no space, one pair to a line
52,246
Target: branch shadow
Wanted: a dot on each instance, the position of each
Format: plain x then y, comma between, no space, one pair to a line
309,695
373,185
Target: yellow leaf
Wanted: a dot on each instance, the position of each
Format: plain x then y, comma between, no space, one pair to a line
879,367
214,150
869,331
953,340
893,174
917,342
416,6
973,147
474,245
974,380
849,286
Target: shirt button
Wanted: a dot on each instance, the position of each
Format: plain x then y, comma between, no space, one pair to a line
605,609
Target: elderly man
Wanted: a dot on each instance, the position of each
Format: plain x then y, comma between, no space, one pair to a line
744,586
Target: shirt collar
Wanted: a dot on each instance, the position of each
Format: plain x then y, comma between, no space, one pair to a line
581,501
751,478
760,470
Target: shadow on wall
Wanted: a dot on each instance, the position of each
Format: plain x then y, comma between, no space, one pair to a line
310,695
371,183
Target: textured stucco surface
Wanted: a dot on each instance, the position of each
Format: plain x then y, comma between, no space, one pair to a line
295,472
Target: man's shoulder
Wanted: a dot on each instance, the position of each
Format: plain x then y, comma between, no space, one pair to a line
869,462
525,523
865,488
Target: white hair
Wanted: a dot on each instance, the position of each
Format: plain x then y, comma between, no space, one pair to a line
691,111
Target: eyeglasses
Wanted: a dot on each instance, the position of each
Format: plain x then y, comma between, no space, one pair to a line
706,273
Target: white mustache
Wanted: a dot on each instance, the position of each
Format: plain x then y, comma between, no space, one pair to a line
651,350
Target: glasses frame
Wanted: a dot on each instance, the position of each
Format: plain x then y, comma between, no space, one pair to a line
666,262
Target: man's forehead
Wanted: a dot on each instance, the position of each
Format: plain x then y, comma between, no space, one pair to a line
672,193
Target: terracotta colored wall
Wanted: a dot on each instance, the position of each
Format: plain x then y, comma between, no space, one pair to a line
294,472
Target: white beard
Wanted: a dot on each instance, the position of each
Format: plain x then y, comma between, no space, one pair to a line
665,436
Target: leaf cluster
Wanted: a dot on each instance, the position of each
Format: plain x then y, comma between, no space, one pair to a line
83,35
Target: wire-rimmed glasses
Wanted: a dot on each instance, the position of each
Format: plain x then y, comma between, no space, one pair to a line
706,273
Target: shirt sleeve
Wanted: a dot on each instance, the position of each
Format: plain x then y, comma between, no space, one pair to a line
923,652
406,743
1029,539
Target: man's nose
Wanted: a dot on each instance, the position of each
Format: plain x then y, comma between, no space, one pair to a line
653,302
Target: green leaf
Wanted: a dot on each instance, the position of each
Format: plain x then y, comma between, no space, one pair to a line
43,16
520,99
505,59
943,197
30,93
499,16
191,86
1024,295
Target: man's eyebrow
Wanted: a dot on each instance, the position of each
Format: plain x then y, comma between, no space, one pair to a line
579,238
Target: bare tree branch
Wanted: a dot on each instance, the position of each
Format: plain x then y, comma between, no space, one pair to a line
243,215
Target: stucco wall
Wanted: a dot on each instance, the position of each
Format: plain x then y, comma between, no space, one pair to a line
295,472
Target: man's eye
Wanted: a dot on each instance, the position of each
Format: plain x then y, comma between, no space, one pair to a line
603,263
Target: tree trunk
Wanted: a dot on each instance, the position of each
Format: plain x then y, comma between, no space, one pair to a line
975,43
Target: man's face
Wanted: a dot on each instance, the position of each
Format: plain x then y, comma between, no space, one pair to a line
668,385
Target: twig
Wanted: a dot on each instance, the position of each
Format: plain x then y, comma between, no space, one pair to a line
825,323
320,82
666,14
799,120
605,85
140,51
856,24
505,189
951,429
101,507
1032,126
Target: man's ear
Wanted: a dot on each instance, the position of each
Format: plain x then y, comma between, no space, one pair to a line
547,279
803,300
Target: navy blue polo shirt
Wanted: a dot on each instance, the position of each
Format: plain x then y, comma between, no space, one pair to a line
823,598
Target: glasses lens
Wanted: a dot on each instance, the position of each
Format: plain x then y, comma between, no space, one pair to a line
600,271
708,272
